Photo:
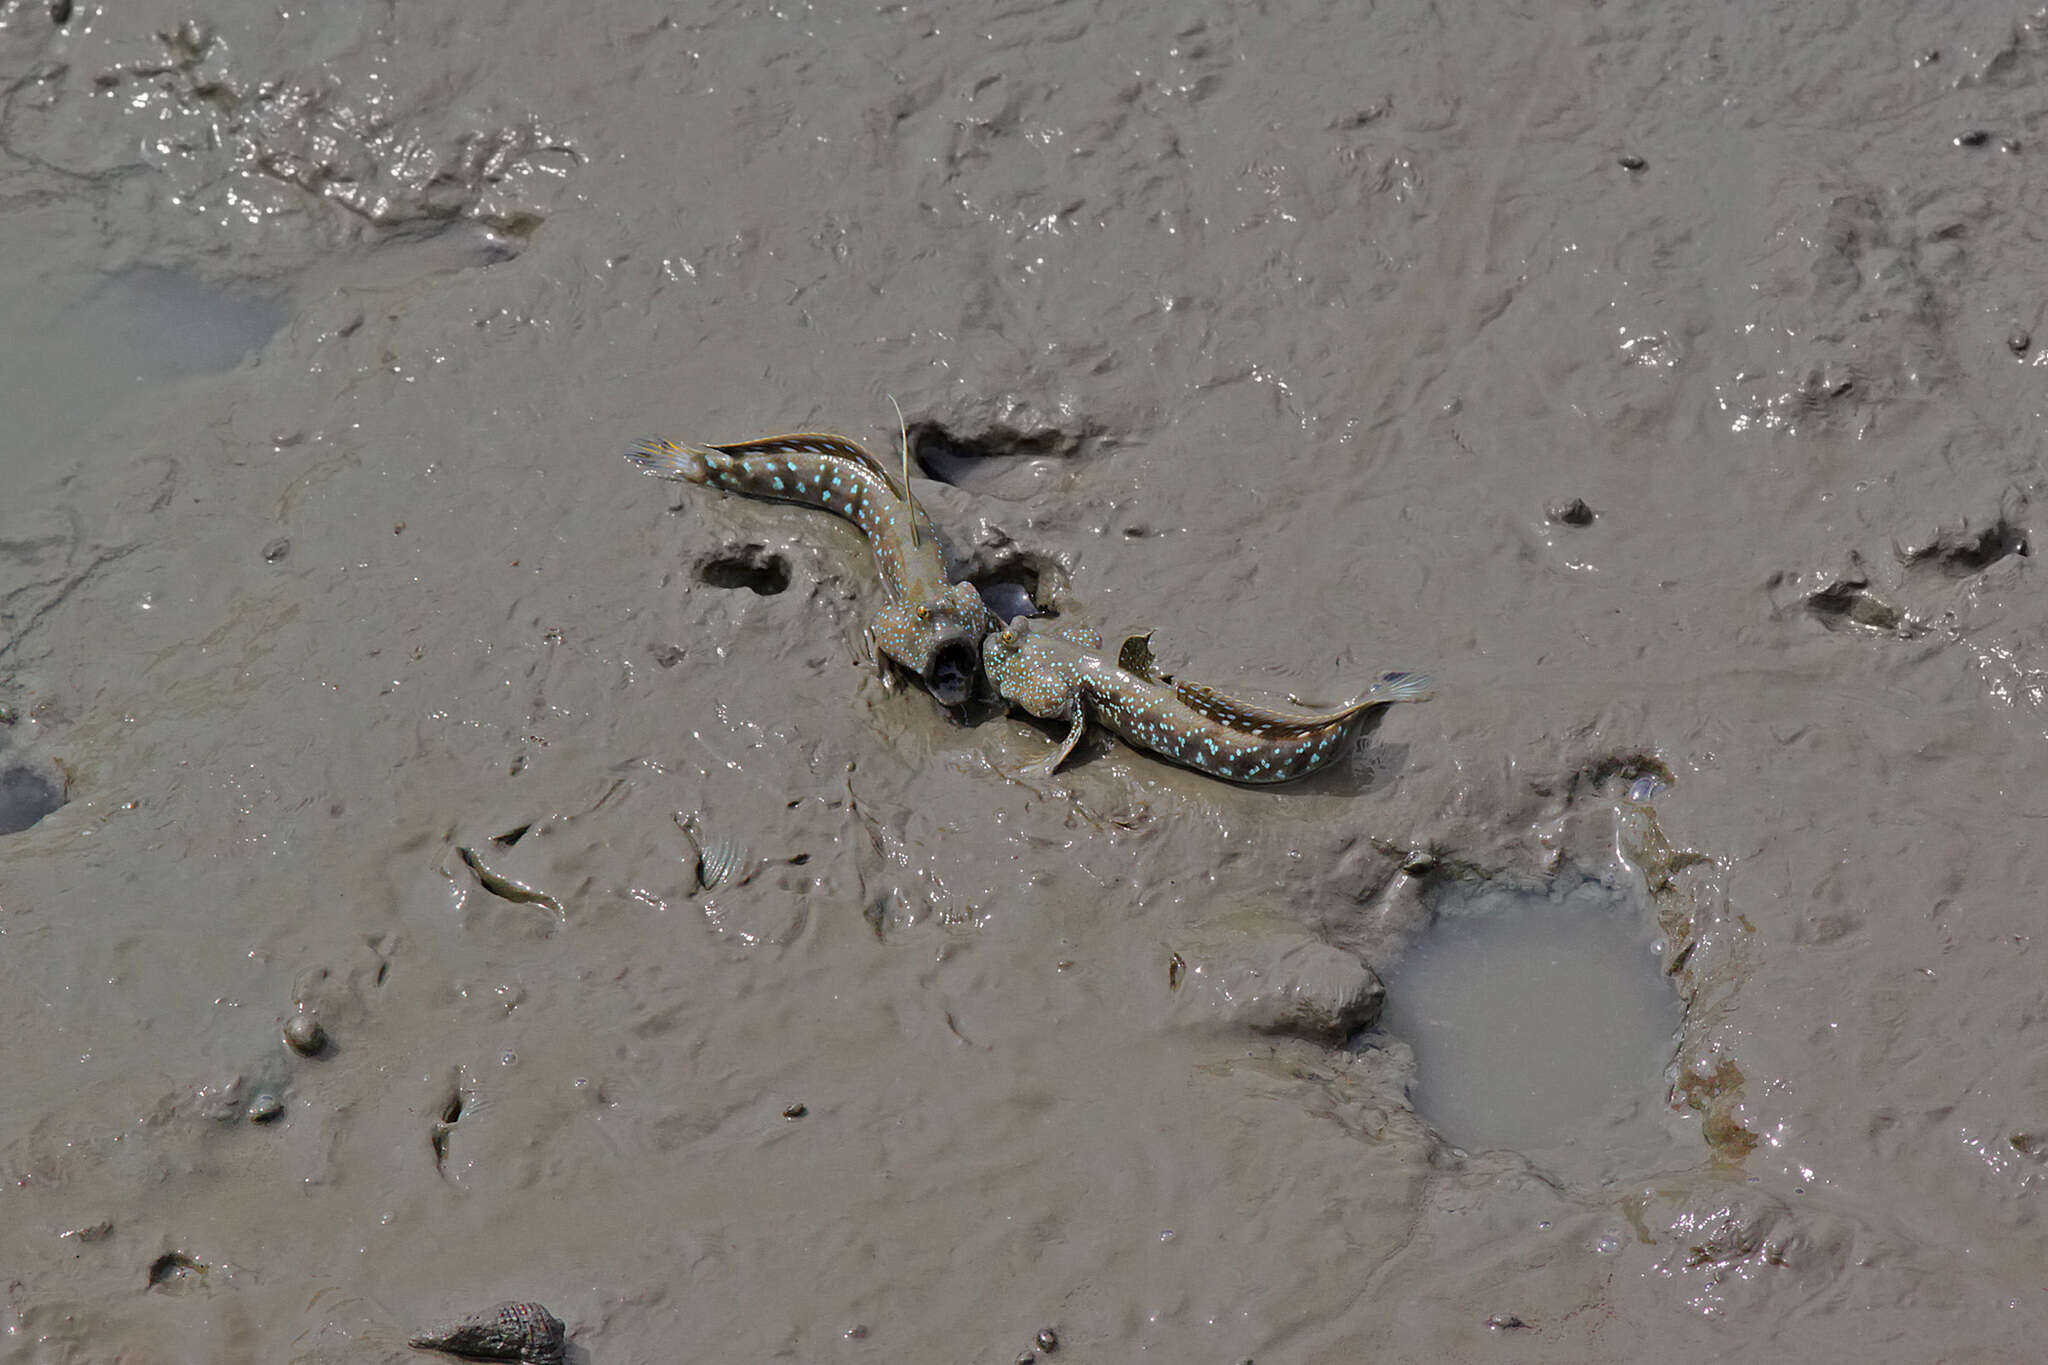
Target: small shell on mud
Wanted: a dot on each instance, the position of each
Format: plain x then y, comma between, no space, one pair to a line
1646,789
303,1034
1570,512
511,1331
719,861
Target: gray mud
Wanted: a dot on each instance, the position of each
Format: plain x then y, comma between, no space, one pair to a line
1300,331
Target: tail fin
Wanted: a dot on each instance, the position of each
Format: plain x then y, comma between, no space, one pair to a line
667,460
1393,687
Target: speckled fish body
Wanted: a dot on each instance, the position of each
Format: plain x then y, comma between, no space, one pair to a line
1054,675
930,626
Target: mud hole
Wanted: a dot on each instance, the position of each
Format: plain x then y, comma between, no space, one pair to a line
1000,461
754,567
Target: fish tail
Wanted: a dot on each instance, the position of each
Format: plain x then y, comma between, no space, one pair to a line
669,460
1393,687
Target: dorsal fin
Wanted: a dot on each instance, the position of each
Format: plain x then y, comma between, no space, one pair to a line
1136,656
812,443
904,431
1258,720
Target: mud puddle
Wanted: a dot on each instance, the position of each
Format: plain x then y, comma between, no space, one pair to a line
1540,1022
82,344
26,796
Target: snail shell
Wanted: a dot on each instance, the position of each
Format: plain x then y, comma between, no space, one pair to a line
511,1331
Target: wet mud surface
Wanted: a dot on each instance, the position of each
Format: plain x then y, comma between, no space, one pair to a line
1660,380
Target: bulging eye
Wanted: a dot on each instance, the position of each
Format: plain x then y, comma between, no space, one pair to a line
924,613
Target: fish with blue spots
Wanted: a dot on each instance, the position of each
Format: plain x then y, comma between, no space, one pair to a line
929,625
1063,675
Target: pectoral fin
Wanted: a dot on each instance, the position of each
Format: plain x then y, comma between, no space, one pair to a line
1046,767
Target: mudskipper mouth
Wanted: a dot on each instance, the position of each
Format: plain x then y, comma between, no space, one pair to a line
955,665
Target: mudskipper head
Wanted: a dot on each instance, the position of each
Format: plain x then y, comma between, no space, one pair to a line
939,640
1028,671
1000,650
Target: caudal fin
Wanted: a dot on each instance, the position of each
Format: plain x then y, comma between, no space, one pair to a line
668,460
1393,687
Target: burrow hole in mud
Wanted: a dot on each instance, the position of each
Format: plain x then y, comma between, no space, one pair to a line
1002,461
451,1114
1961,554
754,567
1539,1017
1849,602
26,796
1020,584
174,1268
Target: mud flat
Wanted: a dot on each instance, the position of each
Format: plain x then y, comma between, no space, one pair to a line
1661,381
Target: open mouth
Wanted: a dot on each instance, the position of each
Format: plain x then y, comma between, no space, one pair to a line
952,671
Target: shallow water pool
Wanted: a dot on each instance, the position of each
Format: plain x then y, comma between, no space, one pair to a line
1540,1022
79,345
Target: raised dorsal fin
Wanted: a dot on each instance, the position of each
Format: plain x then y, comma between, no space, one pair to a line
903,431
813,443
1135,656
1258,720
